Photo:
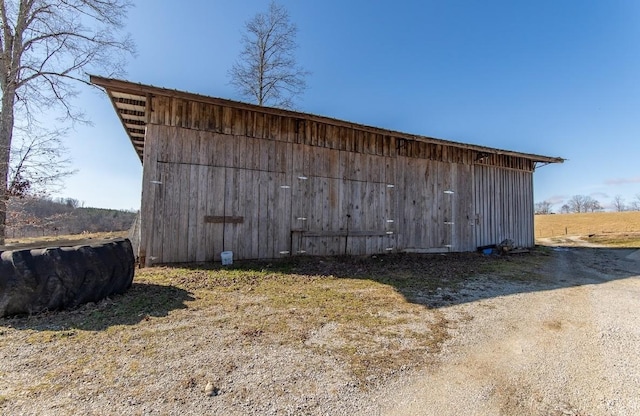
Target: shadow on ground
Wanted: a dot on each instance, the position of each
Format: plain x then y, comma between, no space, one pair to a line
140,302
434,281
440,280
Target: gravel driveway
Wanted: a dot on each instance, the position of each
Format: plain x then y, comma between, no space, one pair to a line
567,346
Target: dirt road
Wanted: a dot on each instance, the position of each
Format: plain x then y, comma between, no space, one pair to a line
566,346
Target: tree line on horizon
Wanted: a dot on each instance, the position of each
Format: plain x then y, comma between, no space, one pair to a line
40,216
584,203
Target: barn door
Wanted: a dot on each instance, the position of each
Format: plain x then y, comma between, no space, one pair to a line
435,207
188,213
257,206
200,211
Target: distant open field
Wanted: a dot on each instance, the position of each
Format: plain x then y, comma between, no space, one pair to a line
612,228
60,240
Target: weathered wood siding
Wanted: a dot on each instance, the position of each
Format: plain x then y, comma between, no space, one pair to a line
205,193
343,202
219,178
436,205
503,201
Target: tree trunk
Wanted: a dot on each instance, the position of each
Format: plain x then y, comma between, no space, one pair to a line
6,134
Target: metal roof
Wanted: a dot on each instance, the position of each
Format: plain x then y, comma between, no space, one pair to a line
131,102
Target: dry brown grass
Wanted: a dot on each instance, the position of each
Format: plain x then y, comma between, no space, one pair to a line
358,320
587,223
374,315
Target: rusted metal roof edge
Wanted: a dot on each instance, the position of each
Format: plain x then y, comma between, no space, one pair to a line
128,87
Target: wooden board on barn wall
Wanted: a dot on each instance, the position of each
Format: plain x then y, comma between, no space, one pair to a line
200,193
410,226
187,192
168,224
446,197
391,205
199,235
340,199
265,226
214,197
150,194
282,215
274,234
464,218
252,210
483,194
301,189
183,190
424,206
257,192
232,208
503,199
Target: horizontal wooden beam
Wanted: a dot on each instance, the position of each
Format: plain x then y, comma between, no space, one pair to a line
342,233
213,219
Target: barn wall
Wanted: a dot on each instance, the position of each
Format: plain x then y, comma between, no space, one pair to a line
503,201
218,178
205,193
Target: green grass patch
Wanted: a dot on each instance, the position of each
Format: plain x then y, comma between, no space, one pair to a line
618,240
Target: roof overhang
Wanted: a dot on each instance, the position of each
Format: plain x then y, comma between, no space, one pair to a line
131,102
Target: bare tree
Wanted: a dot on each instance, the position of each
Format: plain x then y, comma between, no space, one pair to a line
593,205
266,70
46,48
582,203
39,163
543,208
634,205
618,203
578,203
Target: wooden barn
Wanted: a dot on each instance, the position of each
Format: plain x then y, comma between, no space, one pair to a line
220,175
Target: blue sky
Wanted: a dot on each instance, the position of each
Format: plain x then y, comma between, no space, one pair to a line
552,77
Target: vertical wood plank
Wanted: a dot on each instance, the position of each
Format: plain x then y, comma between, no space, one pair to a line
171,209
192,212
252,212
184,193
265,148
263,215
357,197
240,205
216,207
240,151
148,198
202,254
281,157
155,254
230,209
238,122
334,220
325,204
270,205
227,120
283,213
